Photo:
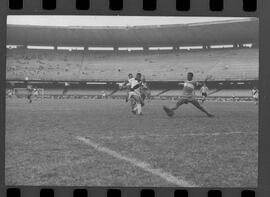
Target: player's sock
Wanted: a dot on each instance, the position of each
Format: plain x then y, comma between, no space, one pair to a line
134,109
139,109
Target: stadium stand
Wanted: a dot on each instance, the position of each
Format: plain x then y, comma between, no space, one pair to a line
86,92
230,93
57,65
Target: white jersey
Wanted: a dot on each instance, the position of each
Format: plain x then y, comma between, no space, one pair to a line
132,82
255,93
204,89
35,92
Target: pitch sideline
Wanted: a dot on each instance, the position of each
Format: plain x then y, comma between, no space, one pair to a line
215,134
143,165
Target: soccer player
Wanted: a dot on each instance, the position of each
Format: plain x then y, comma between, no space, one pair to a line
187,97
9,93
132,85
145,91
65,88
135,97
35,93
29,89
204,91
127,84
103,94
255,94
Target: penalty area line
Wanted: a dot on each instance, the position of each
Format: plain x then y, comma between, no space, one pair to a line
140,164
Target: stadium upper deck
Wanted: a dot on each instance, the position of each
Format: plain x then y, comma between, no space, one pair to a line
203,33
57,65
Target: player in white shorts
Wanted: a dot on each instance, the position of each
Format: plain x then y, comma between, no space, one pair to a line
9,93
134,94
204,91
188,96
131,82
255,95
29,90
35,93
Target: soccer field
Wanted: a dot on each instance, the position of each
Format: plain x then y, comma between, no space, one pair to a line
101,143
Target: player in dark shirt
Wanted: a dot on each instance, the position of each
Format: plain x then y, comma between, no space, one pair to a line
29,89
188,96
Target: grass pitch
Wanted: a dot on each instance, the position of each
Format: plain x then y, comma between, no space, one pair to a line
43,145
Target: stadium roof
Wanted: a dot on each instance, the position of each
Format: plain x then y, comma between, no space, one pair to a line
207,33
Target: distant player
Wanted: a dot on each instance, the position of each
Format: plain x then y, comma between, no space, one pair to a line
255,95
135,95
204,91
65,88
9,93
233,97
131,84
29,90
145,91
103,95
127,84
187,97
35,93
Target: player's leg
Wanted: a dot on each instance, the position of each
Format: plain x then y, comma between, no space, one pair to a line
127,96
142,98
139,108
170,111
64,91
197,104
203,97
139,104
256,100
179,103
133,105
29,97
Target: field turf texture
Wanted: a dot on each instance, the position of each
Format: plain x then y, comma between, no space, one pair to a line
81,142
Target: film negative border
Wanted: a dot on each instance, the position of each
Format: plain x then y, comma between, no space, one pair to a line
162,8
140,7
148,5
122,192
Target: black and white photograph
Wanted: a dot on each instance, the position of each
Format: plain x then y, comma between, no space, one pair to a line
132,101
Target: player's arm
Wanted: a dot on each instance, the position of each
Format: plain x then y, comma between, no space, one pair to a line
181,83
204,82
252,93
124,85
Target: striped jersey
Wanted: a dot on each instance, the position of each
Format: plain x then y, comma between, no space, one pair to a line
189,87
132,82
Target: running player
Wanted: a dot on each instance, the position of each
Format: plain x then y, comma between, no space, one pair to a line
35,93
65,88
204,91
103,94
145,91
29,89
135,96
133,93
255,94
127,84
187,97
9,93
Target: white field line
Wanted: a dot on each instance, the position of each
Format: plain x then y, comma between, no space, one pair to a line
179,135
143,165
